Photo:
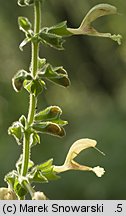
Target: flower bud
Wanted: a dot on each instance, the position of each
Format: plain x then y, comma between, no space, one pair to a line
39,196
7,194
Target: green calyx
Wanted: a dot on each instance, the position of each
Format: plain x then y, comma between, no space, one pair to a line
19,78
50,113
49,128
57,75
49,121
35,86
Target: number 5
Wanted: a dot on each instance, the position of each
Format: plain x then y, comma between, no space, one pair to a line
119,207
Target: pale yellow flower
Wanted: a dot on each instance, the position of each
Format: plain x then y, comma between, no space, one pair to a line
75,149
86,27
39,196
7,194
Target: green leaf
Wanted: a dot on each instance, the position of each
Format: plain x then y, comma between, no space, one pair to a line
27,85
19,189
34,139
46,165
24,24
47,170
59,29
86,27
60,122
51,40
51,175
19,78
24,42
10,178
49,128
35,86
52,114
56,75
19,164
49,113
36,176
17,131
41,63
23,120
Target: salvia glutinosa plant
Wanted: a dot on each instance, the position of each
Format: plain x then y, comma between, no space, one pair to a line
27,129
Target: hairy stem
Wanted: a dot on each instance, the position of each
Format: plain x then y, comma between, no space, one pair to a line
33,99
26,154
29,188
35,53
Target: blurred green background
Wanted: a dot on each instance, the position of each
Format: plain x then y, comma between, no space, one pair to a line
94,105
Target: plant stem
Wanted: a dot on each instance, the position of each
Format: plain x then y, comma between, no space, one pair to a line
29,188
35,53
33,99
32,105
26,154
